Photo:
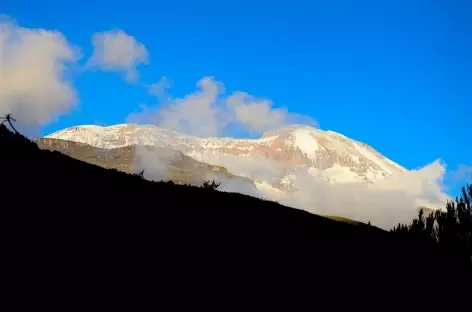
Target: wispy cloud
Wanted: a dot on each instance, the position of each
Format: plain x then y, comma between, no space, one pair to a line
208,111
463,172
160,88
116,51
33,61
258,114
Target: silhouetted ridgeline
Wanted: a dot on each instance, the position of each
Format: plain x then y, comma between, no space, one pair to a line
70,221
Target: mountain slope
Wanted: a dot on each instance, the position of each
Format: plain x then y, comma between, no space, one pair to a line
175,166
331,155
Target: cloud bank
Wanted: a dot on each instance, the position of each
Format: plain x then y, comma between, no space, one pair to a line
208,111
116,51
385,204
33,86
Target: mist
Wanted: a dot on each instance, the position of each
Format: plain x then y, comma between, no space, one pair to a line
153,162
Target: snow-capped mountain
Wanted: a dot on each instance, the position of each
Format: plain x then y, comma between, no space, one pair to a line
320,171
326,154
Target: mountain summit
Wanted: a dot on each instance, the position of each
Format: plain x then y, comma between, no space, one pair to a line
327,153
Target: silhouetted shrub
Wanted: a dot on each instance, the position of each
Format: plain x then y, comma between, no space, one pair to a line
211,184
141,174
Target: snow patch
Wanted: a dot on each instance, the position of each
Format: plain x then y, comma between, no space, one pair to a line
373,158
338,134
305,141
395,164
339,174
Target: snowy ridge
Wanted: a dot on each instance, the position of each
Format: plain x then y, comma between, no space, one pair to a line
326,154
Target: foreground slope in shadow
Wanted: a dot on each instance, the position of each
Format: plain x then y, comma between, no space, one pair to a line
70,216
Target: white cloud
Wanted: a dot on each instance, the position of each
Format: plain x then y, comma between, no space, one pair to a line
385,204
258,115
197,113
209,111
32,64
117,51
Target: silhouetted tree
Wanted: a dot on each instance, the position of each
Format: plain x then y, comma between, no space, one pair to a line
450,230
8,118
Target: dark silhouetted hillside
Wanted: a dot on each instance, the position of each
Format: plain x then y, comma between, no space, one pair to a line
67,221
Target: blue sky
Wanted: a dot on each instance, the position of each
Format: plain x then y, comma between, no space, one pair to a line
394,74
